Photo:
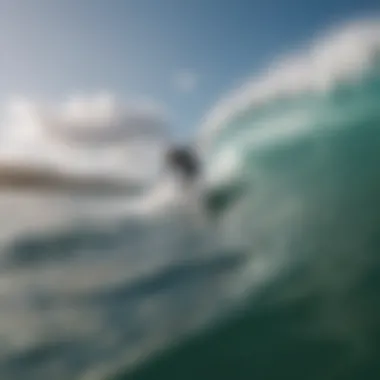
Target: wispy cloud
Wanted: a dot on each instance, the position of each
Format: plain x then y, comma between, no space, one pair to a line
84,134
186,81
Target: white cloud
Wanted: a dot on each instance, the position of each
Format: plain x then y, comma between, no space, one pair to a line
186,81
95,134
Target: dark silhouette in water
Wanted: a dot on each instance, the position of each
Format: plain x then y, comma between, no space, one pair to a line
184,162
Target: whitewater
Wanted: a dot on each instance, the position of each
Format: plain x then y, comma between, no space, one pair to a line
282,283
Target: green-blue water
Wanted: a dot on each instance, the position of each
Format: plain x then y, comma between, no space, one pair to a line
308,219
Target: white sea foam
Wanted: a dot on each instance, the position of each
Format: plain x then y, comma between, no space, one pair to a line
341,53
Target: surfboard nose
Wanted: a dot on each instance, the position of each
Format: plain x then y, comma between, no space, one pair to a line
219,199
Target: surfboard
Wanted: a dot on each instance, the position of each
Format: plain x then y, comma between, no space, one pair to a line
217,200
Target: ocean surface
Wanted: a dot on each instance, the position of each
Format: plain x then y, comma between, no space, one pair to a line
280,281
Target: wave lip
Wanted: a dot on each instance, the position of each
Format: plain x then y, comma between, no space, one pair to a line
342,53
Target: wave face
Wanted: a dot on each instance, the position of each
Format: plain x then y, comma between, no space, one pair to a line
282,282
303,143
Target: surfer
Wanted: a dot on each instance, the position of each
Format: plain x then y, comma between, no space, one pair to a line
183,161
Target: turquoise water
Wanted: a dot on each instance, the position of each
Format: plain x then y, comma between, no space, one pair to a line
308,221
316,221
281,283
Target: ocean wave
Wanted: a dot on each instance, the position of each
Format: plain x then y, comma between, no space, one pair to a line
305,138
344,53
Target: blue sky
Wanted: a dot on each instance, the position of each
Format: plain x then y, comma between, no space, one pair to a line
184,54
